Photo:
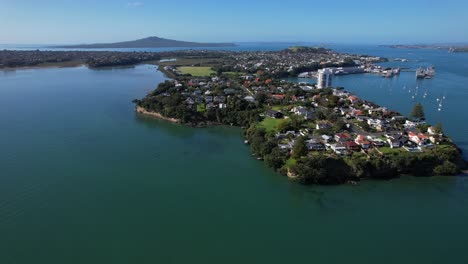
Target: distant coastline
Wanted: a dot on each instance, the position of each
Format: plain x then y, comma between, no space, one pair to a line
450,48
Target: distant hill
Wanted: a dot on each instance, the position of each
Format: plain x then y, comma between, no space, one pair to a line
151,42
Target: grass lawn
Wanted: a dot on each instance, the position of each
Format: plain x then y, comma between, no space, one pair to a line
389,150
196,71
201,108
271,124
279,107
290,162
233,74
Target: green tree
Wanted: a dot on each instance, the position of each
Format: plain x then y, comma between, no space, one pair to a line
261,98
276,158
418,111
300,148
339,125
438,128
446,168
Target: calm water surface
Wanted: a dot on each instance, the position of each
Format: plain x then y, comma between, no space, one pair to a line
83,179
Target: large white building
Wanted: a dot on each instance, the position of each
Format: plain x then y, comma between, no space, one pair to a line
324,78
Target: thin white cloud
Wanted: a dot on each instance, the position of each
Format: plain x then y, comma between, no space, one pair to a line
134,4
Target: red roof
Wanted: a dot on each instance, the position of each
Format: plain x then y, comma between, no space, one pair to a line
343,135
353,98
351,144
360,139
279,96
357,112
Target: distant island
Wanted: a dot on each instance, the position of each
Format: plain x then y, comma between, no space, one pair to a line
450,48
150,42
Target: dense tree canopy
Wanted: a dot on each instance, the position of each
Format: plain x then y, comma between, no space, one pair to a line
417,112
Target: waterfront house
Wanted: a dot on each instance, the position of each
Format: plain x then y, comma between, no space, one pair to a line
398,118
419,139
412,124
353,99
431,130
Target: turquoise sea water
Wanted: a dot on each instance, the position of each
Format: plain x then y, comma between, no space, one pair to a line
83,179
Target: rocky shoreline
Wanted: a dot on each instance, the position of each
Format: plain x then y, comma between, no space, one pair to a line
143,111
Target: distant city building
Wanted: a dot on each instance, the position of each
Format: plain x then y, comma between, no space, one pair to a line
324,77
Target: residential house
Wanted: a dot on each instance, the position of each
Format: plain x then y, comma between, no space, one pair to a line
431,130
219,99
303,111
228,91
353,99
326,138
314,144
323,125
396,140
339,148
351,145
342,137
189,101
210,105
412,124
274,114
289,145
362,141
249,98
419,139
278,96
378,124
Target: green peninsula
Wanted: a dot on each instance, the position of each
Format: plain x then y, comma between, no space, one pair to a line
314,135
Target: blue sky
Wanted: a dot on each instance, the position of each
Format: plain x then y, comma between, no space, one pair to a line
85,21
